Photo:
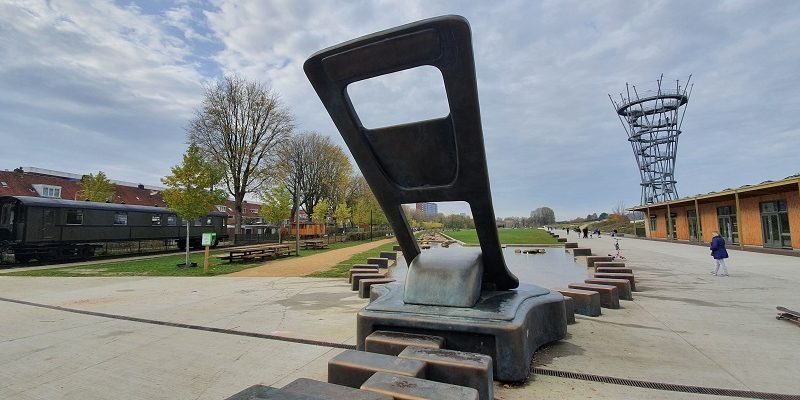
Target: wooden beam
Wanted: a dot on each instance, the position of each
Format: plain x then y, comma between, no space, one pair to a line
669,223
699,223
738,221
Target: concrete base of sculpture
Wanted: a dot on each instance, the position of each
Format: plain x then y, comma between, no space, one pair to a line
506,325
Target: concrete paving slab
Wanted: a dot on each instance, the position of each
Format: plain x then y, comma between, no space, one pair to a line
684,327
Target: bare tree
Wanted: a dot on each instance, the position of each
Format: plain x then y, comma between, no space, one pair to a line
238,126
543,216
313,168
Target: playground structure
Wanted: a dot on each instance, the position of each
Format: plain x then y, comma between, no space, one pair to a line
652,119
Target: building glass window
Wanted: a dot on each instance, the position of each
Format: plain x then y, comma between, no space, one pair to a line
694,227
671,230
728,227
172,220
50,191
120,218
653,223
197,222
155,219
208,221
74,217
775,224
221,208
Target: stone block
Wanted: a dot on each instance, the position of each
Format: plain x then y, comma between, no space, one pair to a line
590,260
623,286
393,343
365,285
577,252
381,262
407,388
609,297
389,255
354,271
615,275
571,245
352,367
456,368
397,248
261,392
612,264
569,308
562,240
585,302
324,390
356,278
612,270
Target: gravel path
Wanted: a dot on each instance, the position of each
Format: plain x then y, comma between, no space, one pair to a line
303,266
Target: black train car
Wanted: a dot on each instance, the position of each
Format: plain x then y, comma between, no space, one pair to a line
55,229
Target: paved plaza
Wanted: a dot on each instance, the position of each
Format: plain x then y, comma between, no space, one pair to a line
683,327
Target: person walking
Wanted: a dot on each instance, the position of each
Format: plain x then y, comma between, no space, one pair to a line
585,232
719,253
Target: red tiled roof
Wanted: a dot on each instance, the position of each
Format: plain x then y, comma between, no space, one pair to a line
21,184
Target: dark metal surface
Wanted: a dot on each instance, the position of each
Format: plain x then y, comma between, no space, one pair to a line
435,160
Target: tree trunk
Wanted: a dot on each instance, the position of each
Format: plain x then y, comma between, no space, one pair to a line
186,264
237,211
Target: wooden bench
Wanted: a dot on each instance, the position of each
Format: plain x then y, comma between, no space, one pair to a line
562,240
352,367
613,270
405,387
354,271
391,255
355,278
329,391
577,252
397,248
569,309
571,245
629,277
393,343
623,286
590,260
611,264
365,286
586,302
458,368
379,261
609,297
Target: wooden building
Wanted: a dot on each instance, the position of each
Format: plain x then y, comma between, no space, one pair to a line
766,215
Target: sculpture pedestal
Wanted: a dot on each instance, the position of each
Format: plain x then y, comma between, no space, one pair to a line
506,325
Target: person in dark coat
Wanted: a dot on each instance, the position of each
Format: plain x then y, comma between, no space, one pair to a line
585,233
719,253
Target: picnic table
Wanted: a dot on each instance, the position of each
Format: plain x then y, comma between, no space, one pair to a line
258,251
314,244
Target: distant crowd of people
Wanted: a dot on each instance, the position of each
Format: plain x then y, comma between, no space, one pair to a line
585,232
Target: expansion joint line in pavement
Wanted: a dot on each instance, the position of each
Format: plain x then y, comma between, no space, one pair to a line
184,326
536,370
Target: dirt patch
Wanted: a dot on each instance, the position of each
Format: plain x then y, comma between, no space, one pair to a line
305,265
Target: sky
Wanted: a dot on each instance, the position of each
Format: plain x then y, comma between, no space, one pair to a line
94,85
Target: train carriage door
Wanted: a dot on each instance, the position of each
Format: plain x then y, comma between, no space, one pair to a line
49,225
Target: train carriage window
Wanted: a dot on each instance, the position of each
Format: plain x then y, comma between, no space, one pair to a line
156,219
120,218
74,217
172,220
7,214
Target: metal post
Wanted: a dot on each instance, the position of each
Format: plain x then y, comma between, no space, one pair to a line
738,221
370,225
297,223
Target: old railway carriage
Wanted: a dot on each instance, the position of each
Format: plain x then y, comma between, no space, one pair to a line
55,229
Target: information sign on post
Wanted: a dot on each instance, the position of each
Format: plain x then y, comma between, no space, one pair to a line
207,241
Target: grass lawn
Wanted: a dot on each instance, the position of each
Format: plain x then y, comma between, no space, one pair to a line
507,236
340,270
166,265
